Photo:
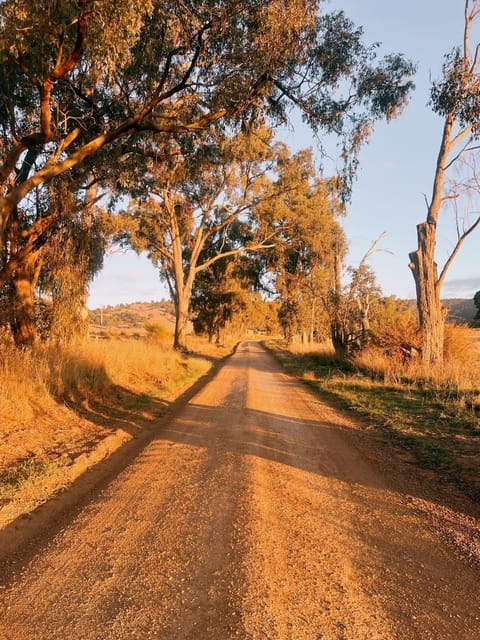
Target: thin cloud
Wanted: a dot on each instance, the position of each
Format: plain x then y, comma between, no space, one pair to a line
461,287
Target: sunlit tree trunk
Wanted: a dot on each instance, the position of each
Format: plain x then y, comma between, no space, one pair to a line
364,309
423,266
337,329
181,320
23,324
456,98
430,311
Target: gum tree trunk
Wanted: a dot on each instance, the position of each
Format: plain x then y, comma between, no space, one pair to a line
23,324
430,311
181,319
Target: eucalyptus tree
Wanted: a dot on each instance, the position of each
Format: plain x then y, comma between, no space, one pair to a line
456,98
195,203
55,234
302,262
221,291
354,309
84,81
353,301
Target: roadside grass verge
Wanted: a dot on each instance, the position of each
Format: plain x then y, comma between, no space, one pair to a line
57,402
435,415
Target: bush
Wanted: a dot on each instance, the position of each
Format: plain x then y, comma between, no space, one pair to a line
157,333
395,329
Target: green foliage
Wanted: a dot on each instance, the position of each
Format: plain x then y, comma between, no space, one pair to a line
476,302
457,94
60,249
310,237
71,262
213,307
129,67
221,291
215,299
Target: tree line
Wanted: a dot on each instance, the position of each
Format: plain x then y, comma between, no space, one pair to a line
153,123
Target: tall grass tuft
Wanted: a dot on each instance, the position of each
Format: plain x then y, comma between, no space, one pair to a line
157,333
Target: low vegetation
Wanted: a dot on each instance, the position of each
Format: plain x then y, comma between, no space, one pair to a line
433,413
57,402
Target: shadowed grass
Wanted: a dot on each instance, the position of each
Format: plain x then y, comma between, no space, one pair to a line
22,474
59,401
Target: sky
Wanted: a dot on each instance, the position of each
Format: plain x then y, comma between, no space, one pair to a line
396,167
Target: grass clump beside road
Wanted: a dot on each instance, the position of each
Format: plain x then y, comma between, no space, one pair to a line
433,413
57,402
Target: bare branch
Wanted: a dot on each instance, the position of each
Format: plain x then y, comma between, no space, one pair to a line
60,70
460,135
233,252
456,249
464,149
372,248
64,144
162,96
476,59
452,196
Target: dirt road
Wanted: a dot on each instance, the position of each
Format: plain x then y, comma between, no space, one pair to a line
256,513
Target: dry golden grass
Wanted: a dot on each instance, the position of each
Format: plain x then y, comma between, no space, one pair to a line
324,348
460,370
140,366
57,400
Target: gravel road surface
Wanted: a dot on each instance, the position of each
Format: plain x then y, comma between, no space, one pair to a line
257,512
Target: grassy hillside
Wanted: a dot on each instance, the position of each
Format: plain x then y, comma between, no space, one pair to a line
130,319
460,310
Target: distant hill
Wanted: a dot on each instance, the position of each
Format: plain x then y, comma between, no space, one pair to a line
460,310
131,318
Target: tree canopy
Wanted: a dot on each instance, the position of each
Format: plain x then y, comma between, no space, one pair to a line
80,75
101,87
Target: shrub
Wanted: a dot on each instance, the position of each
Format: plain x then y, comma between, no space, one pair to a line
157,333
